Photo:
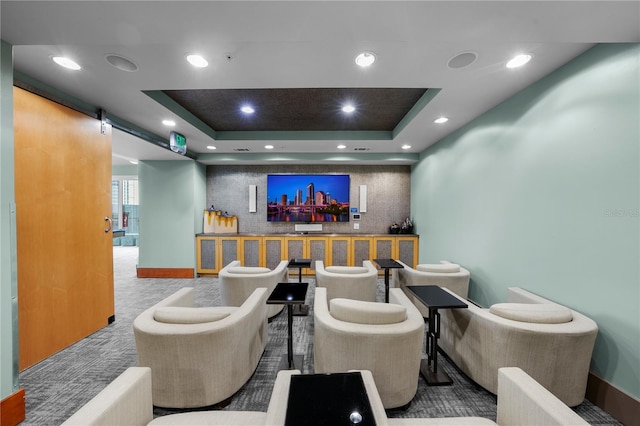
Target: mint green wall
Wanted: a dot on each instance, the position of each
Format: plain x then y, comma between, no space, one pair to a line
131,170
542,192
200,197
172,198
8,279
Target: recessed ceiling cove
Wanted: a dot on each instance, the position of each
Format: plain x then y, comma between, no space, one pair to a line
296,110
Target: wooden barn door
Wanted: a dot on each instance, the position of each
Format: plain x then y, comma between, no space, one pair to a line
63,195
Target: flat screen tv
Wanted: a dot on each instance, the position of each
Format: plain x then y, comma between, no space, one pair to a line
308,198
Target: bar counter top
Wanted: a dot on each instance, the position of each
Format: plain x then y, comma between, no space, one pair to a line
302,234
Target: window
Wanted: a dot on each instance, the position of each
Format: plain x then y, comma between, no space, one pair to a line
125,204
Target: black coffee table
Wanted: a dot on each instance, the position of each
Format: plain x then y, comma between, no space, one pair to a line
300,310
328,399
387,264
434,298
289,294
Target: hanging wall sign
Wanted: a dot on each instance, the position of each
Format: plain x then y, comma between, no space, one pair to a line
178,143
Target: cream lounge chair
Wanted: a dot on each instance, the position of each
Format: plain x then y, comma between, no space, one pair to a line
237,282
200,356
550,342
384,338
349,282
444,274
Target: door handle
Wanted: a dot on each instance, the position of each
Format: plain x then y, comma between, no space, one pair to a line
108,228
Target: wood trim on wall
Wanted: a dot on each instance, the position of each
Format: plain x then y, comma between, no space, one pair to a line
165,273
12,409
624,407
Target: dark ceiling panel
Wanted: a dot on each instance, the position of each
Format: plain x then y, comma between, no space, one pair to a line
299,109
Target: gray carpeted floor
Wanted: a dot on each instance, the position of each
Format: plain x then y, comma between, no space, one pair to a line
57,387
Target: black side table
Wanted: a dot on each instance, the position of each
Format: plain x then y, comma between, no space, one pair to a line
434,298
387,264
300,310
328,399
289,294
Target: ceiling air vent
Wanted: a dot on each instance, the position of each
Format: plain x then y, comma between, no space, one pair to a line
242,149
361,149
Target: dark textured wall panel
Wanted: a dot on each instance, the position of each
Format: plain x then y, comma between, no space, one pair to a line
208,250
340,253
251,253
318,252
405,252
273,253
361,252
295,249
383,249
229,251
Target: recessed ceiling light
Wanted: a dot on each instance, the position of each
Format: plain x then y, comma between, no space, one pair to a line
247,109
342,146
406,146
518,61
197,61
168,122
133,161
211,147
66,62
268,146
348,108
441,120
365,59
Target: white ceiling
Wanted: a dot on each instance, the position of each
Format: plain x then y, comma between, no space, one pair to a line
300,44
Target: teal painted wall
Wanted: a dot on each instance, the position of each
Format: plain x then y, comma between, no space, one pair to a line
172,198
131,170
200,197
8,268
542,192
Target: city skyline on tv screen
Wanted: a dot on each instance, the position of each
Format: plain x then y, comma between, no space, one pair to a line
308,198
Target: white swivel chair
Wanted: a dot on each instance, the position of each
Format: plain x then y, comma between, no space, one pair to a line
550,342
384,338
349,282
444,274
237,282
200,356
